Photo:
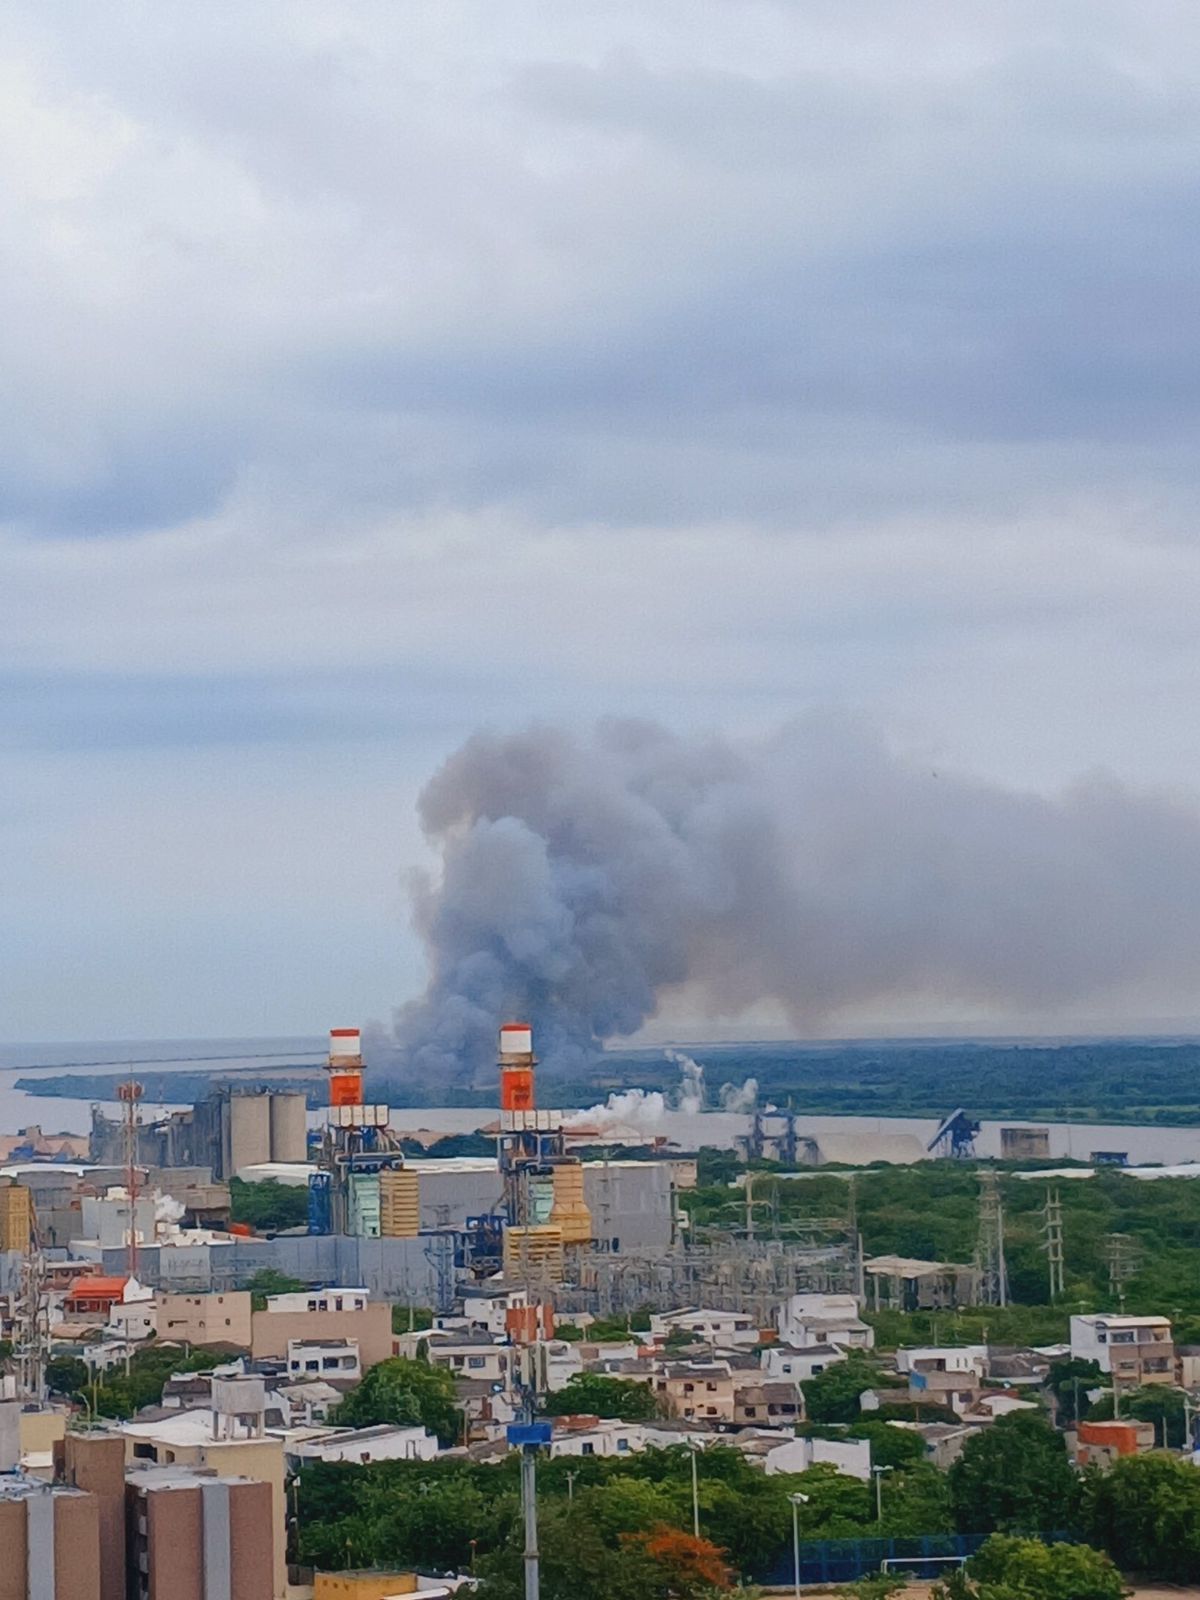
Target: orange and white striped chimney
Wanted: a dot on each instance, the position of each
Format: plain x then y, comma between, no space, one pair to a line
345,1067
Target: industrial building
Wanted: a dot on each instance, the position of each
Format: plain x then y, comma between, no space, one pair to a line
237,1125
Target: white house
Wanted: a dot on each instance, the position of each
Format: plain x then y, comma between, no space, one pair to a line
320,1300
1135,1350
476,1357
708,1327
363,1445
967,1358
335,1360
807,1319
852,1457
789,1364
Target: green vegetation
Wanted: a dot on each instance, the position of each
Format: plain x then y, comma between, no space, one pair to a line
406,1394
270,1281
1157,1403
931,1211
1025,1569
411,1319
381,1515
117,1393
1146,1513
1014,1477
832,1395
268,1206
593,1392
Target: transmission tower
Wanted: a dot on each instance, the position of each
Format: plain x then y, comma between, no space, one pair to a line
31,1321
1052,1229
989,1251
1120,1253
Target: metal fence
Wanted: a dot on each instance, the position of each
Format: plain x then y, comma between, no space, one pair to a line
844,1560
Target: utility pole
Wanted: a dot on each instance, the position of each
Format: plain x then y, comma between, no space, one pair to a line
1120,1251
797,1500
1052,1228
877,1473
694,1449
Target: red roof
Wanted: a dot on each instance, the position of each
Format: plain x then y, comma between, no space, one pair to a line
97,1288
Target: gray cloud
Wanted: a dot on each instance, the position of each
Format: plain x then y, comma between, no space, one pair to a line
585,878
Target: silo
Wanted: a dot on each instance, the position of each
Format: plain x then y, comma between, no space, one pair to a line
289,1127
249,1131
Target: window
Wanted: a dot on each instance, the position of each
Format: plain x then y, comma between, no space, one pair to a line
476,1363
751,1411
589,1449
622,1446
145,1452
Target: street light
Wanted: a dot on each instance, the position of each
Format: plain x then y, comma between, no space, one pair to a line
878,1473
797,1500
694,1446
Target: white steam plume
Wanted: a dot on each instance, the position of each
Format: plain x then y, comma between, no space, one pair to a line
584,877
740,1097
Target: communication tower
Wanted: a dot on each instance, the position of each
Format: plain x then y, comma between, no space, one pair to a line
130,1095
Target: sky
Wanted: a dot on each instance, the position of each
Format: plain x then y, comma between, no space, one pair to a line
374,373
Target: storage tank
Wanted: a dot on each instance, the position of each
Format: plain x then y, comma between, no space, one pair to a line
399,1204
289,1127
249,1117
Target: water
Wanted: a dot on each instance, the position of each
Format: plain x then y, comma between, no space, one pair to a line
18,1109
688,1129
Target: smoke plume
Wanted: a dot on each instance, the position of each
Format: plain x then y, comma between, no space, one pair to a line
585,877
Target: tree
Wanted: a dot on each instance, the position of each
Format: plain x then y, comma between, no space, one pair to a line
1157,1403
268,1206
404,1394
271,1281
1026,1569
1069,1378
1146,1513
890,1447
66,1375
1014,1477
688,1566
602,1396
832,1395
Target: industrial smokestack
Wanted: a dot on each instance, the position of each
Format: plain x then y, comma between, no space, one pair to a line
584,878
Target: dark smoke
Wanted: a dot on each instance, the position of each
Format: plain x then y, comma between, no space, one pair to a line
585,876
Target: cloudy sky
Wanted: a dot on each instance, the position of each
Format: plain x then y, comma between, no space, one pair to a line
378,370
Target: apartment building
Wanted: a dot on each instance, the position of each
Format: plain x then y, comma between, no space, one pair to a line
323,1315
204,1318
49,1541
334,1360
1135,1350
196,1536
696,1391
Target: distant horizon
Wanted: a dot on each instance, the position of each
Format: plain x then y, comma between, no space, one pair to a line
962,1033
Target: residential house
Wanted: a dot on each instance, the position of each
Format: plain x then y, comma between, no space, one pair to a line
323,1314
203,1319
697,1391
1134,1350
